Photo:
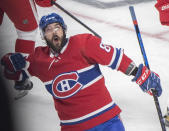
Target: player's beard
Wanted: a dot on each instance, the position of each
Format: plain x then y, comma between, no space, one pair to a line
56,47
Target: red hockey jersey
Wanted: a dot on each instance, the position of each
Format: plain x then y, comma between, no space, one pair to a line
75,81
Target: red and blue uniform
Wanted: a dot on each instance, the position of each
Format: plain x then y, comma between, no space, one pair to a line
74,79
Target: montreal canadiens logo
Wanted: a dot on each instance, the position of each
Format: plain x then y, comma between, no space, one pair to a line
66,85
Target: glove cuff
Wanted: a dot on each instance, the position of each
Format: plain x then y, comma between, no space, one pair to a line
145,74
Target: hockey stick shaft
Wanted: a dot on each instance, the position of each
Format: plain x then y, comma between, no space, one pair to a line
132,12
73,17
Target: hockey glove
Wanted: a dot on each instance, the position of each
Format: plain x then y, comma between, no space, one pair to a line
13,64
13,61
163,7
13,70
148,80
23,85
44,3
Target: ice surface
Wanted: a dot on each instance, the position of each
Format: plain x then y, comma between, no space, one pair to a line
35,112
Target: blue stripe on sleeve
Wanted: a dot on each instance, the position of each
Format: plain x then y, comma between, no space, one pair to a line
118,53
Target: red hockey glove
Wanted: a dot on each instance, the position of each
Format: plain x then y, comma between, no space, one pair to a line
163,8
44,3
148,80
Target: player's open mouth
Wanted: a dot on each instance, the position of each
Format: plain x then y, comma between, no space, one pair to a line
56,39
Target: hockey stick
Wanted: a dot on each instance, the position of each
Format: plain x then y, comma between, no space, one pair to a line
132,12
73,17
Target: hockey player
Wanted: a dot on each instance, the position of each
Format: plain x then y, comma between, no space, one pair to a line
163,7
23,15
69,69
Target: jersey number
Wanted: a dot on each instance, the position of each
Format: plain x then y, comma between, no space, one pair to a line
105,47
